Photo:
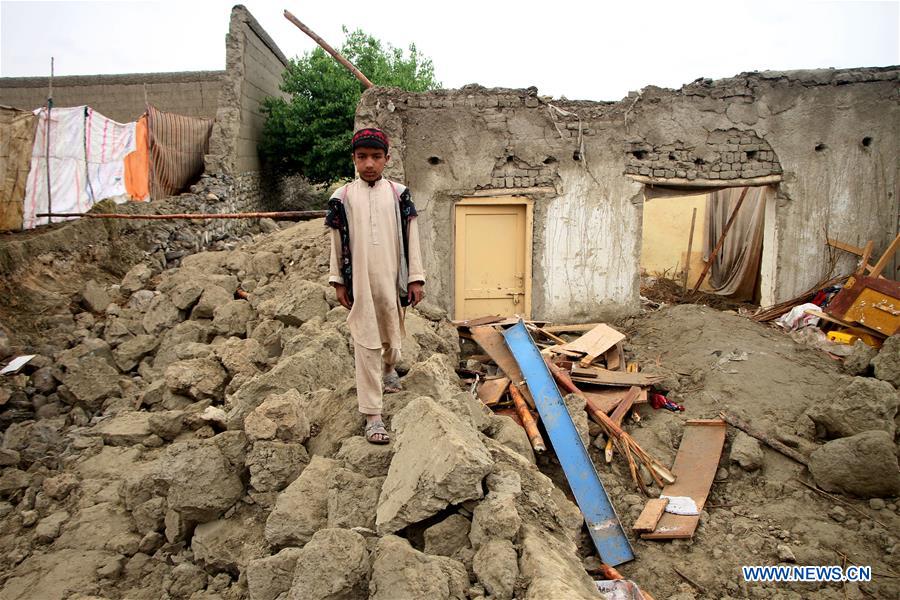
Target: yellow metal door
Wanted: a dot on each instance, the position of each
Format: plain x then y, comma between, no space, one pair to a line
493,258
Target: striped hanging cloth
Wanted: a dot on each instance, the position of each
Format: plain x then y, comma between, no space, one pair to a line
177,147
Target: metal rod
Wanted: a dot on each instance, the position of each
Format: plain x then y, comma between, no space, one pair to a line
712,257
327,48
47,134
299,215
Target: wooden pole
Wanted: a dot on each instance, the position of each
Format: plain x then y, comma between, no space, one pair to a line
47,134
327,48
299,215
885,258
687,259
765,438
712,257
534,436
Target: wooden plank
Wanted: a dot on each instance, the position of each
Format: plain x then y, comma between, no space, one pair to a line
570,328
864,261
608,398
491,390
487,320
842,323
598,376
695,468
845,247
618,415
886,257
492,342
650,516
596,341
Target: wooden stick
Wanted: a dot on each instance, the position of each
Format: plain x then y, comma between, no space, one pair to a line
720,243
327,48
583,327
534,436
689,580
301,215
765,438
885,258
840,501
687,260
618,415
864,260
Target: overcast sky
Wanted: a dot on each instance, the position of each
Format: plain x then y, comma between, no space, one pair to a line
591,50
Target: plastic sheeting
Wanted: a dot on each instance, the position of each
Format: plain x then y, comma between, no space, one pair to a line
86,164
16,141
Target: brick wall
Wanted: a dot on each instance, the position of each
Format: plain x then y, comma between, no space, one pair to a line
120,97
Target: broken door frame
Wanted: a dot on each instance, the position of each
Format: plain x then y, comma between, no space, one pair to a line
499,200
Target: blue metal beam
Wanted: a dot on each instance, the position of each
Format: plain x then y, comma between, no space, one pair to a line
602,522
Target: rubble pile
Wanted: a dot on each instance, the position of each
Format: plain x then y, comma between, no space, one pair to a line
199,439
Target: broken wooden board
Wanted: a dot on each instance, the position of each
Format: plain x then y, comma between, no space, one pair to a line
570,328
593,343
695,468
609,398
602,522
615,358
492,342
598,376
842,323
650,516
478,321
491,390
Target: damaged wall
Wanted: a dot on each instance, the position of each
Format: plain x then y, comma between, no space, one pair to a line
120,97
826,136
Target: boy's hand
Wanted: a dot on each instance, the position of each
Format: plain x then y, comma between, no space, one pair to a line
415,292
342,296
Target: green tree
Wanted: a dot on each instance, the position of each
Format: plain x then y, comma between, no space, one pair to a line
309,133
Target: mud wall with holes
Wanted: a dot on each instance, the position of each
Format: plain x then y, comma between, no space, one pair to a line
824,139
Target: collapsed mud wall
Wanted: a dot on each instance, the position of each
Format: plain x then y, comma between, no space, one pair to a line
824,138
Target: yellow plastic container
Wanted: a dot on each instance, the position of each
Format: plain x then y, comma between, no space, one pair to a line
842,337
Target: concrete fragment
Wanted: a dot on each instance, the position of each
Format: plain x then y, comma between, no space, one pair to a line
125,429
150,516
448,536
269,577
136,278
201,483
90,382
864,465
496,566
94,296
228,545
48,528
860,358
264,263
231,318
299,302
746,452
887,363
334,565
496,517
199,378
512,435
302,508
129,353
352,499
167,424
212,297
141,300
280,417
551,568
273,465
400,571
241,355
59,486
161,315
370,460
184,580
861,404
438,460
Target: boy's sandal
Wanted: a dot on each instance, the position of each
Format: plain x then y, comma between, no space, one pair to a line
391,383
377,429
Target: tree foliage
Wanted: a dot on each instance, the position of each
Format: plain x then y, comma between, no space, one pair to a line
309,133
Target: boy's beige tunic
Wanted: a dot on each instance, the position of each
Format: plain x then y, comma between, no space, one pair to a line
376,319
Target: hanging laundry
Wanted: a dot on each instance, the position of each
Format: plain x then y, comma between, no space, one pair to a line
137,164
178,145
107,143
16,142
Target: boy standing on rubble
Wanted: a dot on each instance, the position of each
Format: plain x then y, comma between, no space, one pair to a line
376,270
